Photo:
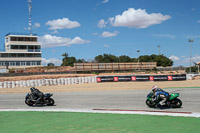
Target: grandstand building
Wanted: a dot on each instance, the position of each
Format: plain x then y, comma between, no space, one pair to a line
21,51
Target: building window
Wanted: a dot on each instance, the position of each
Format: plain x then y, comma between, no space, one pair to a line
39,63
33,39
27,39
13,39
22,63
13,55
2,63
12,63
33,63
21,55
14,47
22,47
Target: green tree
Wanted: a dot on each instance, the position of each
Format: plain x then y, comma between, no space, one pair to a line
106,58
81,61
50,64
68,61
160,59
124,58
99,58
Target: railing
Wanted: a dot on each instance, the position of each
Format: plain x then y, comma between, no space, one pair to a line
34,50
114,66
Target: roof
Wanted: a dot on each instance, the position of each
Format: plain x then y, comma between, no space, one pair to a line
15,33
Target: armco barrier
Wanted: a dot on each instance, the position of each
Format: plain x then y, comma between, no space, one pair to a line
141,78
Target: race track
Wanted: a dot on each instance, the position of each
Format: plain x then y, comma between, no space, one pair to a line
107,99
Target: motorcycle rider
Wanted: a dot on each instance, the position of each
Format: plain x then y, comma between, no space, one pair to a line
159,93
36,93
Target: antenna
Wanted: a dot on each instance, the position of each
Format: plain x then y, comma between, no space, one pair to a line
30,23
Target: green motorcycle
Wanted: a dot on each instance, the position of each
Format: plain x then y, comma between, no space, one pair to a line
173,101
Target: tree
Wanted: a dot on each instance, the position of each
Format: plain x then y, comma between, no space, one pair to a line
50,64
68,61
160,59
124,58
106,58
80,61
99,59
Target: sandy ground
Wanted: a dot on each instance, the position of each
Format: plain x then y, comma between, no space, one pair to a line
106,86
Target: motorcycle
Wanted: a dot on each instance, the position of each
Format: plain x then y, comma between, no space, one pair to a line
173,101
30,100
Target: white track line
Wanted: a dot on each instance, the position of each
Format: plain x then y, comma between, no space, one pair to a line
197,115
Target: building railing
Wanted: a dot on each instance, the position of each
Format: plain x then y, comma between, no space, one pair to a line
34,50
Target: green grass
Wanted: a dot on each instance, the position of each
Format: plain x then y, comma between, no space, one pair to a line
66,122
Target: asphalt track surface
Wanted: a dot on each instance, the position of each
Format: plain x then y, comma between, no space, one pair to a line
115,100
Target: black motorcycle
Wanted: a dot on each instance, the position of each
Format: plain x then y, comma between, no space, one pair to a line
30,99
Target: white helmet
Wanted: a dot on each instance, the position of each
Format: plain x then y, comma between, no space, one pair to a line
154,88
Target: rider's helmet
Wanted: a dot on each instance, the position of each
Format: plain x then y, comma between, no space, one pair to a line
32,89
154,88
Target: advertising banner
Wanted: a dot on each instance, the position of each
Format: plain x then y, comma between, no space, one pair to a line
141,78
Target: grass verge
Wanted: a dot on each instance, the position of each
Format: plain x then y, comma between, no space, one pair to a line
62,122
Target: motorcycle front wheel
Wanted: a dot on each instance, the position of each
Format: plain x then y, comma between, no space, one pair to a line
29,103
50,102
176,103
150,104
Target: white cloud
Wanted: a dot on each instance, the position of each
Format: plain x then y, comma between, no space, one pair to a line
102,23
55,61
107,46
174,58
64,23
55,41
185,60
95,33
137,18
192,36
164,36
36,25
109,34
55,32
105,1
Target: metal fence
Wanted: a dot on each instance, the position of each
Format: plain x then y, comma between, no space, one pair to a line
114,66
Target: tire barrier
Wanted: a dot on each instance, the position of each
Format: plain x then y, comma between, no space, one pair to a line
48,82
141,78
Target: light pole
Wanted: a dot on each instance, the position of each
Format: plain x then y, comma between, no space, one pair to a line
138,51
158,49
191,41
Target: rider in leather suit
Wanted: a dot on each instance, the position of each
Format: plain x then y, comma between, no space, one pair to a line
38,94
159,93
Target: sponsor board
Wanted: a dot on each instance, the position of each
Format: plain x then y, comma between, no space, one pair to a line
105,79
141,78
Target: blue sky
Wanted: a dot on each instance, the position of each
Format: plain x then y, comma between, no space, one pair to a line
87,28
